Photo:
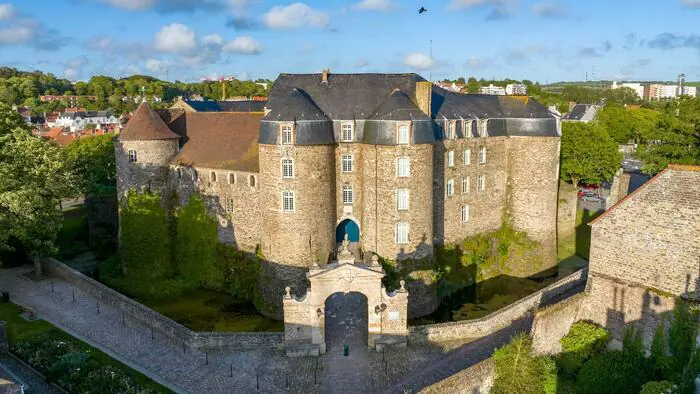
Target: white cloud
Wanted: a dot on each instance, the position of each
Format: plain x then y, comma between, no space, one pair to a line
419,61
375,5
101,43
16,35
175,38
549,10
155,65
463,4
212,39
7,11
73,68
478,63
132,5
691,3
243,44
295,16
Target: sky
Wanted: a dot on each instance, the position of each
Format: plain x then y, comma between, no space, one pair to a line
187,40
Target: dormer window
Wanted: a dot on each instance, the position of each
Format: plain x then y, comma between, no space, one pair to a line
483,128
451,129
287,134
212,177
347,132
467,128
402,134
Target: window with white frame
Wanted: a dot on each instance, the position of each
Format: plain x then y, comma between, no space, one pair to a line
402,167
348,196
287,168
451,158
465,185
402,135
231,178
451,129
467,158
402,199
465,213
286,134
347,132
229,204
481,183
482,155
401,233
483,128
132,156
346,161
212,177
450,188
288,203
467,128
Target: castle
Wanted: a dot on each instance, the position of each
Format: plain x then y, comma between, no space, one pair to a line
393,161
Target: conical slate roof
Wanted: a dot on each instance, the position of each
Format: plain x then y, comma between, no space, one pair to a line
146,124
398,106
295,105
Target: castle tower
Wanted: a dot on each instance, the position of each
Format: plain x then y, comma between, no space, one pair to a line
143,151
297,164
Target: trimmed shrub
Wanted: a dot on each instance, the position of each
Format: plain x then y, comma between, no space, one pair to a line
519,371
584,341
661,387
614,372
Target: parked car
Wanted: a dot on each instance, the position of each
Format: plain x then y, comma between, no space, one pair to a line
591,198
589,193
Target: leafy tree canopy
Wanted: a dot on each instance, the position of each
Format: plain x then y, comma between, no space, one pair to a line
588,154
92,161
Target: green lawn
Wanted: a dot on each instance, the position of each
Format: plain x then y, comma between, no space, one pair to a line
21,330
576,247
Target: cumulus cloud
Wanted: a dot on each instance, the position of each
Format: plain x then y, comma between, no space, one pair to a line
155,65
691,3
7,11
212,39
549,10
673,41
295,16
73,67
167,6
375,5
16,35
241,23
244,44
175,38
419,61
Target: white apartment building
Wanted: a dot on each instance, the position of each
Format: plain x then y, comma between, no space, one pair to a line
691,91
517,89
492,90
637,87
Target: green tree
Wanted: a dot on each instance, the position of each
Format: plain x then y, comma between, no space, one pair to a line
518,370
588,154
92,161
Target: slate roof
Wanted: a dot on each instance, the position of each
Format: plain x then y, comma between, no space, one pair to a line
576,112
451,105
295,104
398,106
226,106
146,124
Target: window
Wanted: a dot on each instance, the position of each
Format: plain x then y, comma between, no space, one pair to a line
402,167
348,197
402,199
288,201
483,128
465,213
401,233
450,189
346,132
132,156
451,129
451,158
229,204
346,163
287,168
465,185
231,178
482,155
467,128
402,135
467,157
480,183
251,181
179,173
212,177
287,134
195,175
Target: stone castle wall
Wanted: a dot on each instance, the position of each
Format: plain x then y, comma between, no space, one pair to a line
150,171
566,210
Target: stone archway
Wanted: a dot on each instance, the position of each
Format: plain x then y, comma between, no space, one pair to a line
346,318
305,317
347,227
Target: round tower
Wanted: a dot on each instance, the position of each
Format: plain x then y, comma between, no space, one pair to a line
297,159
143,152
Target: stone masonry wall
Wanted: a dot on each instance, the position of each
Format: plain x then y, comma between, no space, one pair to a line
655,241
151,168
476,379
355,179
566,210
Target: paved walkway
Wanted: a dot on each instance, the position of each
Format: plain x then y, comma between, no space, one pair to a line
33,382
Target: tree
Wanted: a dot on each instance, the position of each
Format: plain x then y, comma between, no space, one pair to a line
92,161
588,154
518,370
33,177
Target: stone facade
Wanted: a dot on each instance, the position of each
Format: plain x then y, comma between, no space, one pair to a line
150,171
566,210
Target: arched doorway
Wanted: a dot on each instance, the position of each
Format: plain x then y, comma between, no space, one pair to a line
346,321
349,227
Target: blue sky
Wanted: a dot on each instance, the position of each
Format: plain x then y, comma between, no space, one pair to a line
541,40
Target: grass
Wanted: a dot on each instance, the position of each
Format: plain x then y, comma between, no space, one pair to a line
19,330
576,247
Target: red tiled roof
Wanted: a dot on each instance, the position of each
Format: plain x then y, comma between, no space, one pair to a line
146,124
53,132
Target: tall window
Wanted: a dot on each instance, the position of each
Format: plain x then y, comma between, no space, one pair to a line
229,204
467,128
346,163
451,129
212,177
251,181
232,178
481,183
482,155
195,175
402,199
402,135
179,173
346,132
288,202
483,128
451,158
465,185
348,197
402,167
287,168
450,189
287,134
465,213
401,233
132,156
467,158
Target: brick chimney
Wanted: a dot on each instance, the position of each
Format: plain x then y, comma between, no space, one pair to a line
324,76
424,93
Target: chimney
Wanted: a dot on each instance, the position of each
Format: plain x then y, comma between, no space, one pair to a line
324,76
424,92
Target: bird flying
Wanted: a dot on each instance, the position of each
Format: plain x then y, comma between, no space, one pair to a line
422,10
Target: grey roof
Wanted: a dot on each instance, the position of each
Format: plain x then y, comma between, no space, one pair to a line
87,114
226,106
451,105
398,106
295,104
576,112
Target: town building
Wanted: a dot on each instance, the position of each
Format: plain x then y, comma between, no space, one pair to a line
516,89
394,162
70,100
245,105
492,90
638,88
691,91
582,113
76,121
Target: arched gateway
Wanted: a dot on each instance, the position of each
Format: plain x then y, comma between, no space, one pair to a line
304,317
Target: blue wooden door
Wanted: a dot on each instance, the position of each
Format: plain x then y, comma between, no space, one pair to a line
348,227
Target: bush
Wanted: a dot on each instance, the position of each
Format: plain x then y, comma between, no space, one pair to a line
584,340
519,371
614,372
661,387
